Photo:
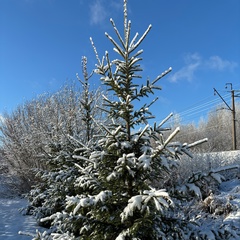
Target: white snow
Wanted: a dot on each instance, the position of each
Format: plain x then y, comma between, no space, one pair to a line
12,221
12,218
144,161
231,190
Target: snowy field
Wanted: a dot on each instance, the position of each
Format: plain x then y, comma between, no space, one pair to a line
13,221
230,191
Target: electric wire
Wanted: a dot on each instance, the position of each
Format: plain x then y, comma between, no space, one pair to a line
198,110
195,109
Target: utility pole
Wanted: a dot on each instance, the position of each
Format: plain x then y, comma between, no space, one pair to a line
232,109
233,117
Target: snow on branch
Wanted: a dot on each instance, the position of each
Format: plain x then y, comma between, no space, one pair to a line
144,161
143,131
134,39
125,15
165,120
140,202
134,46
162,75
117,32
112,133
82,158
86,201
77,141
197,143
127,34
226,168
118,48
96,53
172,135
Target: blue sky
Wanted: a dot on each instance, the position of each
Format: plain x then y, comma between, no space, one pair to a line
42,43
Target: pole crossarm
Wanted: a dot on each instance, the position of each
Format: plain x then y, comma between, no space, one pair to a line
215,91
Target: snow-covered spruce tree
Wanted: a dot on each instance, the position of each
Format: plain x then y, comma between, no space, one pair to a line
57,180
117,198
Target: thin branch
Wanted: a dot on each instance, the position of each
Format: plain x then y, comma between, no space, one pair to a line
141,39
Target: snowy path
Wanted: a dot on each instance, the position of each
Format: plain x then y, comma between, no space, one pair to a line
12,221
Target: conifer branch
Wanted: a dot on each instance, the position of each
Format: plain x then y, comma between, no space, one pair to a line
165,120
162,75
131,45
127,36
117,32
95,51
143,131
197,143
118,48
137,54
172,135
125,17
141,39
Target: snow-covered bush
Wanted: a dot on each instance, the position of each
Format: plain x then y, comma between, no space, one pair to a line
226,163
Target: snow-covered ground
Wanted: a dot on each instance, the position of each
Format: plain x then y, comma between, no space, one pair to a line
13,221
230,190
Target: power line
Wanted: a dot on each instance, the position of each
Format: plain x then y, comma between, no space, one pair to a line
199,106
193,112
192,107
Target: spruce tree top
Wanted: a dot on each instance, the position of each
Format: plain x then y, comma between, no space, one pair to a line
121,76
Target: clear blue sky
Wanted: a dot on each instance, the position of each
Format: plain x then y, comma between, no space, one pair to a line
42,42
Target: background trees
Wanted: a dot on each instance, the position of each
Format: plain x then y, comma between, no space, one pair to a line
38,127
217,127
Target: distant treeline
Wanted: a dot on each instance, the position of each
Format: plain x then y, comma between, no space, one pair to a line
217,127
